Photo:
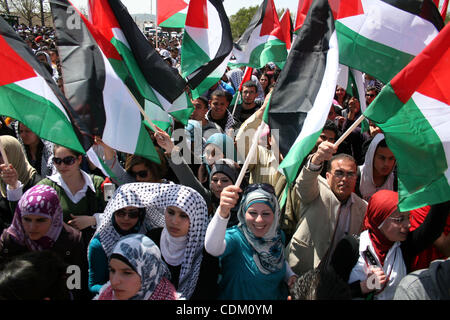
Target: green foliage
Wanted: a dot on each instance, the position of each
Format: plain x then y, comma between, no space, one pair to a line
240,21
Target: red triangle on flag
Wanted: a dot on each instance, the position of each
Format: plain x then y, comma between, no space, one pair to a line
247,77
197,16
104,21
286,27
348,8
302,11
166,8
17,68
271,24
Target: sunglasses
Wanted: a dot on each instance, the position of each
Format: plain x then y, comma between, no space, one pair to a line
370,95
255,186
69,160
141,174
132,214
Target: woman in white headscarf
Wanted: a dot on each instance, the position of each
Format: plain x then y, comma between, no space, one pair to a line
377,172
194,272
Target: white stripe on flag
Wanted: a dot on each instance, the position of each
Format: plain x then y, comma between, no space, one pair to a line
392,27
123,118
438,114
316,117
254,41
39,86
118,34
209,39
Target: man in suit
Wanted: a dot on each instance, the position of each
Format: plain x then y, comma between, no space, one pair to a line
329,208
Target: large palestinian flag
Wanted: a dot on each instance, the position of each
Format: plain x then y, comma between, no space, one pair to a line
413,110
92,86
151,78
29,94
263,40
171,13
304,92
206,46
380,37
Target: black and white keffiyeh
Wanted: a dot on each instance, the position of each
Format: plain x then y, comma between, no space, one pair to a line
193,204
155,198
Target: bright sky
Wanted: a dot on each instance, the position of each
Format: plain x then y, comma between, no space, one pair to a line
231,6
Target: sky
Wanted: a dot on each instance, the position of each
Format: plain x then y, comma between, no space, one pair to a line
231,6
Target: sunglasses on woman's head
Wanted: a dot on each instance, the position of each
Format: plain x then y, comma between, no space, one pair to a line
141,174
255,186
132,214
69,160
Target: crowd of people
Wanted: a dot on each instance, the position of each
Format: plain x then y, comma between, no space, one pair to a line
184,228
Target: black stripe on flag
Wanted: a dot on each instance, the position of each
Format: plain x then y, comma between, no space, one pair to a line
82,64
425,9
157,72
257,20
23,50
226,45
300,80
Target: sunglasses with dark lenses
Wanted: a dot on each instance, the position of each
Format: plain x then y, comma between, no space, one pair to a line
255,186
132,214
141,174
69,160
370,95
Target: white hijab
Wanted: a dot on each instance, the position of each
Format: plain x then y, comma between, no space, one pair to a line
367,186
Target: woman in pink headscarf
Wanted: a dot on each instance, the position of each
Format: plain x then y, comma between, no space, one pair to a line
386,246
38,225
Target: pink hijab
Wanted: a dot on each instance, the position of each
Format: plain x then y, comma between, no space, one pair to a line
39,200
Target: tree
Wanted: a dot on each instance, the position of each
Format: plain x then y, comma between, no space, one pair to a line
5,6
240,21
27,9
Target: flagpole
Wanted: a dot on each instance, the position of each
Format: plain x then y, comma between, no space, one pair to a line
235,103
250,154
152,125
349,130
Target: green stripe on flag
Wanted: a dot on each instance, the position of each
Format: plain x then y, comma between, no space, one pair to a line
420,156
40,115
145,147
378,60
192,56
139,79
176,21
291,163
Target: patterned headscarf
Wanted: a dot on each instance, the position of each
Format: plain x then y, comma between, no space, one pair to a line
139,195
193,204
16,157
144,257
43,201
269,253
155,198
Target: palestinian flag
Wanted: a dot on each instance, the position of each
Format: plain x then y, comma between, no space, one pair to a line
29,95
263,40
302,97
380,37
92,86
302,11
137,62
287,28
413,110
171,13
206,46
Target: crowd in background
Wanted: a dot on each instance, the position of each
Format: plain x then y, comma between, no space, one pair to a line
182,229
